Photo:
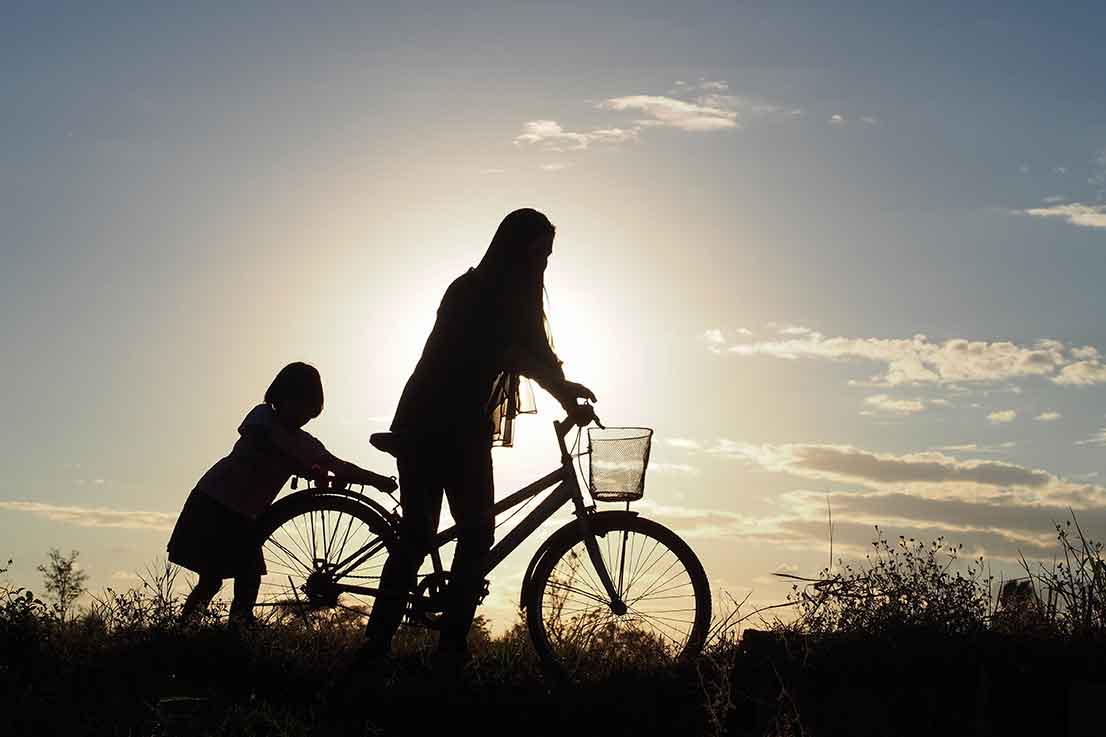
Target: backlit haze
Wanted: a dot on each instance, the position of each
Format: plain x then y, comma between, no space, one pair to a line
849,258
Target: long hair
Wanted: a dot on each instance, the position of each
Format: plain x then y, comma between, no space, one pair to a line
513,275
509,272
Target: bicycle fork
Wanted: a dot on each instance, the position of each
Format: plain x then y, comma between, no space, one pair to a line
618,606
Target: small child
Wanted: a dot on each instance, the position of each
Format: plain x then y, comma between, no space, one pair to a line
215,533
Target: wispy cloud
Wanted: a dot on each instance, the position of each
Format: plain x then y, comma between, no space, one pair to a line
976,448
1076,213
848,464
549,134
710,113
702,107
919,360
1048,417
1097,440
673,468
883,403
554,166
714,339
94,516
685,443
1002,417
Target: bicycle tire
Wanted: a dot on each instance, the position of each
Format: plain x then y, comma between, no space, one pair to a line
573,640
302,526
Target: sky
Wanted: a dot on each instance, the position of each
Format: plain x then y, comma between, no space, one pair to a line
844,259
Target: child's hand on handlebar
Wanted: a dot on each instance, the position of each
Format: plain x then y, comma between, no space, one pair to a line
385,484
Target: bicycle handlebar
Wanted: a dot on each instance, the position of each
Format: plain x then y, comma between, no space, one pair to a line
575,418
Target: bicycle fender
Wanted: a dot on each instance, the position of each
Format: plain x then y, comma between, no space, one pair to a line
389,519
568,528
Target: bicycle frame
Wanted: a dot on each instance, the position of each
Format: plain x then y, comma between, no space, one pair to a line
567,488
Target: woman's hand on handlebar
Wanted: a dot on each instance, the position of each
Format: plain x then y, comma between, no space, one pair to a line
574,390
582,415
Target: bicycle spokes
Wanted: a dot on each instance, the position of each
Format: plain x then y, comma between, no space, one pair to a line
312,560
653,585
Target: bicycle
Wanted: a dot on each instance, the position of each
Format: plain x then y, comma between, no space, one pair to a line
608,580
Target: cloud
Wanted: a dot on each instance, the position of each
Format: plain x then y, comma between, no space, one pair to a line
549,134
918,360
1087,216
714,339
94,516
975,448
1082,373
999,509
493,171
837,119
687,116
795,330
1002,417
998,529
1097,440
1048,416
930,473
556,166
885,404
1051,199
685,443
673,468
869,120
125,576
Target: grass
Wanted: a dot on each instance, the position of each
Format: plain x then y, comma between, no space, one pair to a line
911,621
125,666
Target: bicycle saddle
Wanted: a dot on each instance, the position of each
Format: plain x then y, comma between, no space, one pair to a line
385,441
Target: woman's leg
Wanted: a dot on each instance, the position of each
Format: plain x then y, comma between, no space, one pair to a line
201,595
471,493
421,499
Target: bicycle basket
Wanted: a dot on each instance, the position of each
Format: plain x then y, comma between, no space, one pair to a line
618,459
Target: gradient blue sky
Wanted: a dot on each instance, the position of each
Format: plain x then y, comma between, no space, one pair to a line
758,209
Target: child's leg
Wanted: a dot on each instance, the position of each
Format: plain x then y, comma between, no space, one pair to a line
245,596
201,595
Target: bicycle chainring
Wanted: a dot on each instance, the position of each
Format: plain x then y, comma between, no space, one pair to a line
429,601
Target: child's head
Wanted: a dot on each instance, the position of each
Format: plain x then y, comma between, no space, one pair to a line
296,393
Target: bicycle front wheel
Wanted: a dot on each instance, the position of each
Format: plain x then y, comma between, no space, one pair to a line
324,556
662,583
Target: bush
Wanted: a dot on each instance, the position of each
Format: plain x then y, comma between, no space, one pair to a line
908,584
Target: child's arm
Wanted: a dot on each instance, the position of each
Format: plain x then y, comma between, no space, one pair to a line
308,452
346,471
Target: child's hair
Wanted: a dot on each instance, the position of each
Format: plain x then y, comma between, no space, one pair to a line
297,381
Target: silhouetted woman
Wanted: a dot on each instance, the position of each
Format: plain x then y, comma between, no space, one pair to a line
461,399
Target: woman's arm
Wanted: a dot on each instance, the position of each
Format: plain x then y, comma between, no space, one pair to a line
545,368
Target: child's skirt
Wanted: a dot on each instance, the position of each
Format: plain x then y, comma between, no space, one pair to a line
214,540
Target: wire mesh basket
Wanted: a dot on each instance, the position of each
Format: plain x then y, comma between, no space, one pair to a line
618,457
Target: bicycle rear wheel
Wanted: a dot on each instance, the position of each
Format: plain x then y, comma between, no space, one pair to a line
315,545
666,592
